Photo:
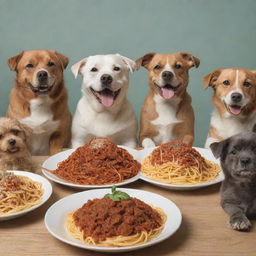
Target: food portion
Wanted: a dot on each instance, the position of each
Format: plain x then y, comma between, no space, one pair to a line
98,162
18,193
117,220
178,163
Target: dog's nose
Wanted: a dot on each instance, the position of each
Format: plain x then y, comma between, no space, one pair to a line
167,75
245,161
12,142
42,76
236,97
106,79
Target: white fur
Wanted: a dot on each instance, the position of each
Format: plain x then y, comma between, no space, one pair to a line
166,110
91,118
229,126
42,123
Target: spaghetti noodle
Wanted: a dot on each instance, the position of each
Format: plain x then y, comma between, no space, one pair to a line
107,223
178,163
18,193
98,162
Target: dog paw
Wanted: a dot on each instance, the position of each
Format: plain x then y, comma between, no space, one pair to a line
240,223
148,143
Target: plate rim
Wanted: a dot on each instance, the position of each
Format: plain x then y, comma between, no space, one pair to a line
47,194
113,249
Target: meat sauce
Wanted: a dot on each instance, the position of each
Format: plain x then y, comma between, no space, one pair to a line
104,218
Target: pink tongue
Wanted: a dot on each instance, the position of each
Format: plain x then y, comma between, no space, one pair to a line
107,100
235,111
167,93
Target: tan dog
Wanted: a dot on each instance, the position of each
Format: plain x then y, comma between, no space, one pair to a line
167,113
39,99
234,100
15,141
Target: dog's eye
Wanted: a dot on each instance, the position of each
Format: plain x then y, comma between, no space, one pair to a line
15,132
1,136
94,69
116,68
177,66
233,152
29,65
157,67
247,84
50,64
226,82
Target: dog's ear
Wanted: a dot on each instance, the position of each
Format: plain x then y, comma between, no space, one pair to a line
130,63
76,68
13,61
190,59
145,60
28,133
63,59
219,148
209,79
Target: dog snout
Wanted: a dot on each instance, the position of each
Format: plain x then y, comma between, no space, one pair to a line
245,161
106,79
236,97
42,76
12,142
167,75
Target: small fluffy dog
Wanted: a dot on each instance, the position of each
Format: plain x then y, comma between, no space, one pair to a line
103,110
238,190
15,139
167,113
39,99
234,100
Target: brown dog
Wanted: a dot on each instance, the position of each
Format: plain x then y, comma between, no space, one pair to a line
15,143
167,113
39,99
234,100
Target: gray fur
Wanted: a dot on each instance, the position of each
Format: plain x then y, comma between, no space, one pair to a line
238,190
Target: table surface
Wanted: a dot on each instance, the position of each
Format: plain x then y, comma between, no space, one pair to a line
204,229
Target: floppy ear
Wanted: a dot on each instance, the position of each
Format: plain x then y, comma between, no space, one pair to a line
191,60
218,148
28,133
145,60
130,63
63,59
209,79
76,68
13,61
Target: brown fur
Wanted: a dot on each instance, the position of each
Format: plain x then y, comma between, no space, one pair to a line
21,94
185,129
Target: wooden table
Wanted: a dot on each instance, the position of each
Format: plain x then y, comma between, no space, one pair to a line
204,230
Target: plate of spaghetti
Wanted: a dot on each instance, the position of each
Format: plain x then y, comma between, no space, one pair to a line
99,163
125,220
176,165
22,192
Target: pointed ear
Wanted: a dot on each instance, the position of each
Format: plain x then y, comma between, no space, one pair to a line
130,63
145,60
13,61
63,59
76,68
218,148
190,59
209,79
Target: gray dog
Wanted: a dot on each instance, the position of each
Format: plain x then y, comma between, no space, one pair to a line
238,191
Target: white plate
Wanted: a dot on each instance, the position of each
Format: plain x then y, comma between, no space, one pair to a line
52,162
206,153
47,188
56,215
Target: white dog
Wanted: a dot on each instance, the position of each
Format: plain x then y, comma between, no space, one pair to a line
103,110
